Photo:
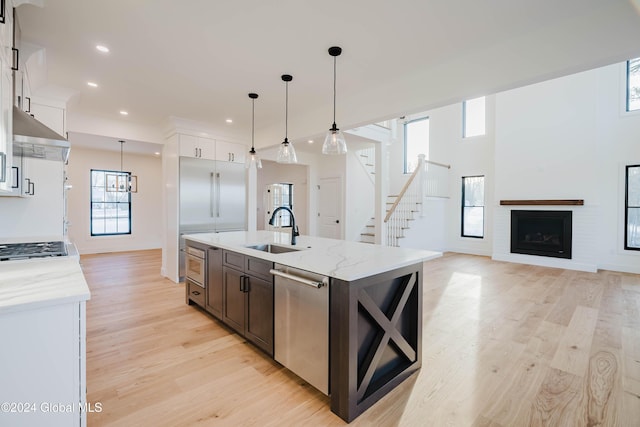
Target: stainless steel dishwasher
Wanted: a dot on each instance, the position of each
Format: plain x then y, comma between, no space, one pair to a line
301,324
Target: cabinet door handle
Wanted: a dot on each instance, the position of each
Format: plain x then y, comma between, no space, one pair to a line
16,179
31,188
233,157
2,15
16,59
246,283
29,108
195,292
242,283
3,167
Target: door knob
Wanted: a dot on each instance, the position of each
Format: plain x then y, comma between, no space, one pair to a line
337,221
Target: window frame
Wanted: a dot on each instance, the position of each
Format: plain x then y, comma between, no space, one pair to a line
627,86
627,207
91,202
464,118
463,206
284,216
404,127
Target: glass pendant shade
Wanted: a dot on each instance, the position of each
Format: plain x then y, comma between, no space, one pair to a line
286,153
334,142
254,160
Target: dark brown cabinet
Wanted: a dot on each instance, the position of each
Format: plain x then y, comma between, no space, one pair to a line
248,298
214,282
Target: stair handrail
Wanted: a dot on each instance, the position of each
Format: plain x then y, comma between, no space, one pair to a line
438,164
407,184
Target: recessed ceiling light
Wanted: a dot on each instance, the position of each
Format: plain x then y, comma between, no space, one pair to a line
310,141
124,113
102,48
92,84
229,121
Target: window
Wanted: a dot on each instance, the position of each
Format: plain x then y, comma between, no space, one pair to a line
632,208
633,84
110,210
473,206
416,142
280,195
473,117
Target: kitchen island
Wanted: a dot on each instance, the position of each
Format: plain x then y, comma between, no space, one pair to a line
374,307
43,330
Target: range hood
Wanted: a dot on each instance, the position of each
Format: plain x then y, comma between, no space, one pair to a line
33,139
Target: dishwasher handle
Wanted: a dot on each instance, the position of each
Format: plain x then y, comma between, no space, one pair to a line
312,283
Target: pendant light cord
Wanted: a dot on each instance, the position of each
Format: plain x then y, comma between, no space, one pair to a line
121,148
253,115
286,110
334,91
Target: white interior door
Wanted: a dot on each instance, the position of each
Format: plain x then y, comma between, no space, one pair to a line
330,208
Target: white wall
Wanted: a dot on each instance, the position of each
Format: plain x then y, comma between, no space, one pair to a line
568,138
39,216
146,204
439,227
275,173
360,196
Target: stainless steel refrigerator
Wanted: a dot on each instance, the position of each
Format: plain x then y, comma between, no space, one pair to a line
212,198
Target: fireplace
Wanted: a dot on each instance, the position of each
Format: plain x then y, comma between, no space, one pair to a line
543,233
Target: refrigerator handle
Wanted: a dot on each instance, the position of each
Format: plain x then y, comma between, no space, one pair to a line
211,195
218,195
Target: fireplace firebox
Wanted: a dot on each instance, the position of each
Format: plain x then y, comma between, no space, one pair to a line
542,233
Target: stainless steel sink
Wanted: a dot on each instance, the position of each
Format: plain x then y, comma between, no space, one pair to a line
274,249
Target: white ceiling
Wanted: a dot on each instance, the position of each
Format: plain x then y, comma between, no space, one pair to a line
198,59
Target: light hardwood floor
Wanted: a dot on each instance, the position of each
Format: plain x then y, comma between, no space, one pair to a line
504,345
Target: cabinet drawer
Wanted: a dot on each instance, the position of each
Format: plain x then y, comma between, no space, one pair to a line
259,268
195,293
233,259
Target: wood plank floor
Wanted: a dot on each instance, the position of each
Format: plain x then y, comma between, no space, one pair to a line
504,345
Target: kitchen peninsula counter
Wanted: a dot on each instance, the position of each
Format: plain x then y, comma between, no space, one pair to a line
43,329
374,308
339,259
35,283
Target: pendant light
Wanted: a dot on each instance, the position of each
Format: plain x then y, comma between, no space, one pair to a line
286,153
334,142
122,182
254,160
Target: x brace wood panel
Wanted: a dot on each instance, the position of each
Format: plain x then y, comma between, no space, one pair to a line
375,338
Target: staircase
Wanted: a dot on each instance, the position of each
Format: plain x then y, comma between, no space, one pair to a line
401,209
405,210
367,157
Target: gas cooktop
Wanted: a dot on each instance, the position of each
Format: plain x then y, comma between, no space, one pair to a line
13,251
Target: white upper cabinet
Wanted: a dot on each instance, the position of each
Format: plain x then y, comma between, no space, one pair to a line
197,147
230,152
6,96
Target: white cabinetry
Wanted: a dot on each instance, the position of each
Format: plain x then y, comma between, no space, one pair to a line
20,187
230,152
6,96
42,364
197,147
206,148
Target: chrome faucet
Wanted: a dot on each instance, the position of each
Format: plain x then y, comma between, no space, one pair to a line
294,228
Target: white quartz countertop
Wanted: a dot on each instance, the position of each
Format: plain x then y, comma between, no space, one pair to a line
341,259
34,283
